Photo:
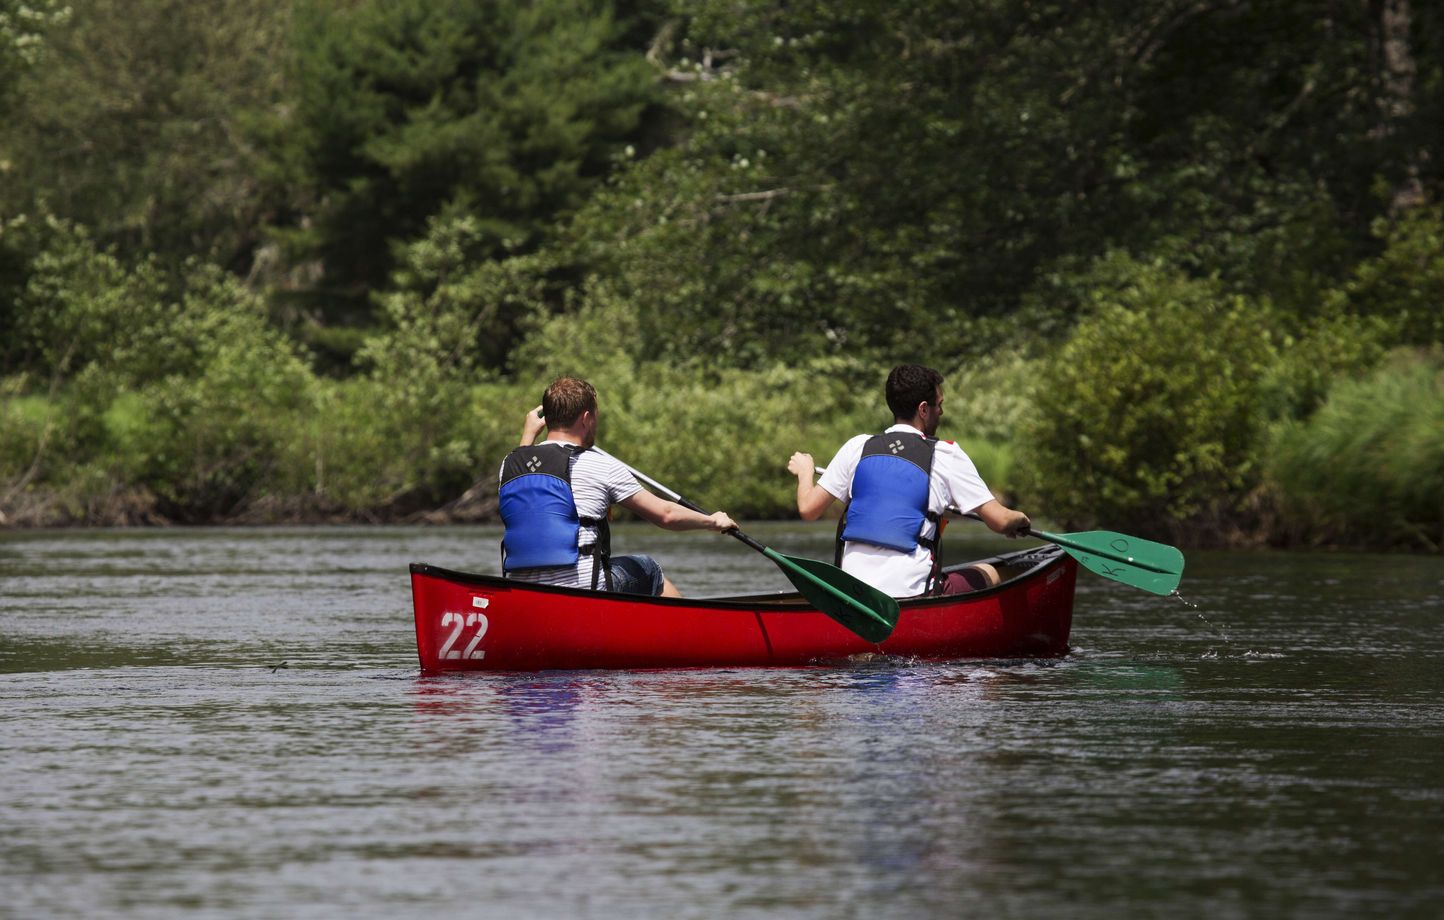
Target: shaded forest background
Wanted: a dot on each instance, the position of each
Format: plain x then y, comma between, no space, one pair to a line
284,260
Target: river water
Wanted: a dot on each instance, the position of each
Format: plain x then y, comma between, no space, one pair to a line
231,723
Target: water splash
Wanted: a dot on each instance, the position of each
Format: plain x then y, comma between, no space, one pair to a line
1221,632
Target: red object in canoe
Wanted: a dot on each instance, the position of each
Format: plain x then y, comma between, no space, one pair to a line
485,623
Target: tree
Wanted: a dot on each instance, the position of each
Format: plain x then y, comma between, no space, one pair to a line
881,177
134,125
23,24
505,110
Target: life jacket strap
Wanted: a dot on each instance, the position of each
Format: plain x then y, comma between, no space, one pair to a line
601,552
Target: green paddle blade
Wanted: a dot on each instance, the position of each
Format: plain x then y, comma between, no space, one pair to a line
1155,567
855,604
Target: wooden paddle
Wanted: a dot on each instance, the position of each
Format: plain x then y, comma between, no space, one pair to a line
1133,561
855,604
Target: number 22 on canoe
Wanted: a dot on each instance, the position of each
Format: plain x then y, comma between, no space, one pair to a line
855,604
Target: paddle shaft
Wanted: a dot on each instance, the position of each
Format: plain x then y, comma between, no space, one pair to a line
766,551
1079,547
682,501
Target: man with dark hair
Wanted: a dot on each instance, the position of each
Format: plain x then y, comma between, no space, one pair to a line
555,497
896,486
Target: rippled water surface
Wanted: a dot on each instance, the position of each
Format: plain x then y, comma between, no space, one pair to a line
230,723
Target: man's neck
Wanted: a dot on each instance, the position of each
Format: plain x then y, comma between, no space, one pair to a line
570,437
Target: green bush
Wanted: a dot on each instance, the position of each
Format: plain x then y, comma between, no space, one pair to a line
173,384
428,415
77,306
1404,284
1313,356
48,448
1148,416
207,429
1368,467
26,423
382,446
724,439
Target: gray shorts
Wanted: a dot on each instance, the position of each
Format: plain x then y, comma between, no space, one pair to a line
636,574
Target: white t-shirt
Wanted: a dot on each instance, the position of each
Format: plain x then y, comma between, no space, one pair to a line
954,482
597,483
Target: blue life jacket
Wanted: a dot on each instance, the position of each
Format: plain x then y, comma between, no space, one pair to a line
543,527
890,495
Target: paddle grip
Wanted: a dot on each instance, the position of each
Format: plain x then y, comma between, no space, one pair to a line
748,540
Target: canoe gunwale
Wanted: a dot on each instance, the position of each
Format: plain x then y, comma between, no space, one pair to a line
1046,556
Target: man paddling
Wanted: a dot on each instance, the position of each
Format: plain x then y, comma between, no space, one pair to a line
555,497
896,486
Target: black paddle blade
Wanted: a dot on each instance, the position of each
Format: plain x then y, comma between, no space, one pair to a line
854,603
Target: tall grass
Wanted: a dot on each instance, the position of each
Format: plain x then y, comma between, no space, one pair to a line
1368,467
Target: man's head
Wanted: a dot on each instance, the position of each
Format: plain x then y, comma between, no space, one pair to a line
565,405
915,395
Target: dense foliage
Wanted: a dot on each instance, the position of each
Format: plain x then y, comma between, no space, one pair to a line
1149,410
507,112
1368,467
314,258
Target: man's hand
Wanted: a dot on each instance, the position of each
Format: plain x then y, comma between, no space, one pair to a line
802,466
1017,526
532,426
1002,519
721,522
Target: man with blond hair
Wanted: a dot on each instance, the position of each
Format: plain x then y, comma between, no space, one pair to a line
555,498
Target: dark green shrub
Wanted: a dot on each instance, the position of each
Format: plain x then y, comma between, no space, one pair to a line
1404,285
1312,358
1147,418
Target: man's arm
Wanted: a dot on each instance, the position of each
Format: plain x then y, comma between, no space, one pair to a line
1002,519
672,516
812,499
532,426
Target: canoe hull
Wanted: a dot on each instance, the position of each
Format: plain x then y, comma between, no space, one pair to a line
467,622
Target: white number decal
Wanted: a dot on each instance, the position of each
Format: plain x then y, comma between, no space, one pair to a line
472,652
458,622
446,647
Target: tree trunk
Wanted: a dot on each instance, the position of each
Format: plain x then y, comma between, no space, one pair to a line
1395,68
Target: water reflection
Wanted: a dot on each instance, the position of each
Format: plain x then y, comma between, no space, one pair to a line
1283,757
36,654
539,711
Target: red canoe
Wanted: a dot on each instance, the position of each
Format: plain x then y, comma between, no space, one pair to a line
485,623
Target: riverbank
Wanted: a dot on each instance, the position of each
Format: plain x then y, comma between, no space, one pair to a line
139,508
1360,471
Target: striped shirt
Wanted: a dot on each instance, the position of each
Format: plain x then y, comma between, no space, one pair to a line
598,483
